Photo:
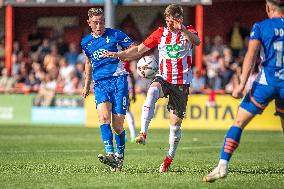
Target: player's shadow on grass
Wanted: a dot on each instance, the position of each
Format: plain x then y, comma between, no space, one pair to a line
137,170
258,170
177,170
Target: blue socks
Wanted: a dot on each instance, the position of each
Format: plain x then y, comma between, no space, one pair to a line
107,137
120,143
231,142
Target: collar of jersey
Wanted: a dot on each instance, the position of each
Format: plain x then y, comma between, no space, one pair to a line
96,36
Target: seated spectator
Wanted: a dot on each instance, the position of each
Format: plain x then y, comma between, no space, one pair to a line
22,73
38,71
51,60
15,65
6,82
72,54
218,44
207,47
235,80
212,62
44,49
46,92
197,85
60,84
225,72
65,69
72,85
31,83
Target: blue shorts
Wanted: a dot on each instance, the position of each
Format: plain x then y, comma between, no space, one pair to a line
259,97
115,90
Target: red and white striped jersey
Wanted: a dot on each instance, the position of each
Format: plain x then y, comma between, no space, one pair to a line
175,54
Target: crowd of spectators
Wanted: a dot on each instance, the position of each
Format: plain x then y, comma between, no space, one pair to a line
222,62
52,66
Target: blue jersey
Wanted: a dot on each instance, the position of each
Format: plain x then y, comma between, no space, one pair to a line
270,33
111,41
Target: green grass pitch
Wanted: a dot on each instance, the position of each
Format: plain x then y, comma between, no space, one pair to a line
66,157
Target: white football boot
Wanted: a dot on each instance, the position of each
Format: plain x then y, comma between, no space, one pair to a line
221,171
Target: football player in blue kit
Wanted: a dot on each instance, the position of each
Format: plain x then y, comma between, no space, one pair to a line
267,37
110,84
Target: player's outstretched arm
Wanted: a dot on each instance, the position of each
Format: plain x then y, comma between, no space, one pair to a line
131,53
88,78
248,64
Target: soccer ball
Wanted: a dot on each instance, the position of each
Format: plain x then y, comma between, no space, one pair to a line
147,67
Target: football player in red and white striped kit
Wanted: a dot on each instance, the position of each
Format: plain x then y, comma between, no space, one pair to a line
175,43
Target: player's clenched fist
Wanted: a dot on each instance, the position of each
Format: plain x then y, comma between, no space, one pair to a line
238,91
85,92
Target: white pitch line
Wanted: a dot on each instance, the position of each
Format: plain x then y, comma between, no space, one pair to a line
92,150
199,147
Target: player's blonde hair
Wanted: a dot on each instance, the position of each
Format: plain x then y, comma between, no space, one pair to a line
174,11
95,12
278,4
